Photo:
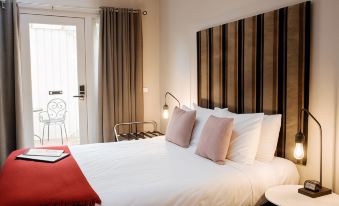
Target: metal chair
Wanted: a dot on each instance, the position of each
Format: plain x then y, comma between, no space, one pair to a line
55,115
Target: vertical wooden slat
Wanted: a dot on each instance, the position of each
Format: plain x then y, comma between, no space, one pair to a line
249,66
276,60
292,83
240,92
210,68
301,66
301,52
282,63
216,82
204,69
199,65
259,62
269,68
307,62
224,65
232,59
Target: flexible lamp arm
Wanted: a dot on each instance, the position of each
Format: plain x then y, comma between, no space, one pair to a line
168,93
310,114
321,137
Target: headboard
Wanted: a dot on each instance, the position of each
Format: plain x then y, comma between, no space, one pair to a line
259,64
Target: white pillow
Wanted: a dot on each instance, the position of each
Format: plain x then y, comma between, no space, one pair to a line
245,137
269,137
186,108
202,115
218,108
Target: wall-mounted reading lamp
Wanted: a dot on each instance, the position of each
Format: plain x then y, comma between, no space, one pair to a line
165,107
311,188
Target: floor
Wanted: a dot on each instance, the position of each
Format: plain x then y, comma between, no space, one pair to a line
57,142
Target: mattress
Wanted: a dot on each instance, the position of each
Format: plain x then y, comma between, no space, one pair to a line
157,172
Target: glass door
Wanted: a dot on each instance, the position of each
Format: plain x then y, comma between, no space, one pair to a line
54,61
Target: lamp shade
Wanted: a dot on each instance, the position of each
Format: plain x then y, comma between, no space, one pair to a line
299,151
299,146
165,111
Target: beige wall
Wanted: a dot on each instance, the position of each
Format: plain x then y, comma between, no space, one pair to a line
151,43
179,22
151,60
323,91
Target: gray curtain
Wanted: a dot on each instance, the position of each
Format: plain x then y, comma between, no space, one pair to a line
10,79
120,70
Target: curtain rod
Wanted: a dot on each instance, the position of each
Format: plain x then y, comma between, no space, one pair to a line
129,10
117,10
61,7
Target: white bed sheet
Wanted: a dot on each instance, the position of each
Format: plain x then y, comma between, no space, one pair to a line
157,172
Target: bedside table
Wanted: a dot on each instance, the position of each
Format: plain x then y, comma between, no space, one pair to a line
287,195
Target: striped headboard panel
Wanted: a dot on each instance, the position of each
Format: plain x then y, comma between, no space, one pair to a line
259,64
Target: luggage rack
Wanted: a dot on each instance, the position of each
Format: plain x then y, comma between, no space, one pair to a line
136,135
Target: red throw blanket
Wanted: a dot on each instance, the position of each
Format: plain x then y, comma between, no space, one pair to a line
37,183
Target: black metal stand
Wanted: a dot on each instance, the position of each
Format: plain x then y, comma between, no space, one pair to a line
136,135
300,138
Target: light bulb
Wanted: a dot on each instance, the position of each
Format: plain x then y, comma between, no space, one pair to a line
299,151
165,114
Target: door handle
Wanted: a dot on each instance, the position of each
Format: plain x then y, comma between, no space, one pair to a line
81,97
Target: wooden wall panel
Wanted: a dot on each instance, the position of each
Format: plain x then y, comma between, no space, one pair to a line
259,64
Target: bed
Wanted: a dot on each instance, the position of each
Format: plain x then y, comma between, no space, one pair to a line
157,172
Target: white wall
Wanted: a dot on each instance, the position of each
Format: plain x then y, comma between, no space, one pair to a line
179,22
151,44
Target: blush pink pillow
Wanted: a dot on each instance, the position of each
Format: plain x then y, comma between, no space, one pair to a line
179,130
215,139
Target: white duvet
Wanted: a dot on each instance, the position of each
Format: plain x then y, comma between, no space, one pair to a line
157,172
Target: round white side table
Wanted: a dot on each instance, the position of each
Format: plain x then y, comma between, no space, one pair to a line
287,195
